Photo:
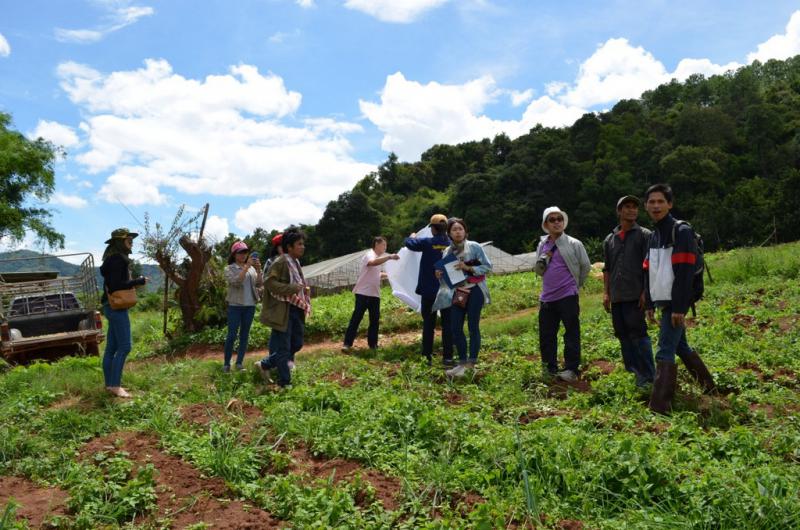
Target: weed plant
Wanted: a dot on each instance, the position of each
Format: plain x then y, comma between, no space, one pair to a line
498,449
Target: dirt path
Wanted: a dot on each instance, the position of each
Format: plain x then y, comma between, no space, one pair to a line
209,352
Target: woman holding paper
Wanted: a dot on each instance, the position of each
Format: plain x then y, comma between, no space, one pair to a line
462,274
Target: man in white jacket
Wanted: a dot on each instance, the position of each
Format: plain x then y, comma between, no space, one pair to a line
564,265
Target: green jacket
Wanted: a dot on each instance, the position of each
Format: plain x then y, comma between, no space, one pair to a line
274,312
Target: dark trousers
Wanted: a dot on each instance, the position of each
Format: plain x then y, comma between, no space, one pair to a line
630,327
551,315
364,303
429,325
240,318
472,313
284,344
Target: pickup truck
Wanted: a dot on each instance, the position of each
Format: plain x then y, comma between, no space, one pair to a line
42,316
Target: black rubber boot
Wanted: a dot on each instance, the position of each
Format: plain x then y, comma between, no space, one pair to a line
664,387
697,369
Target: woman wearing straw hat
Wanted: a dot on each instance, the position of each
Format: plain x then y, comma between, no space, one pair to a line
117,276
244,277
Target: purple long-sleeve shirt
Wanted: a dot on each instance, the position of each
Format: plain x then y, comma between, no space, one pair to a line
557,281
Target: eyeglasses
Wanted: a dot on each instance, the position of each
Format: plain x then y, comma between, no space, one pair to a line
555,219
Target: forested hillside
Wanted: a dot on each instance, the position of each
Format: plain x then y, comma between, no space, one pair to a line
728,144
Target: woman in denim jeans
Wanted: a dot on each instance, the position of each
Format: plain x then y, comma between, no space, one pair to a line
473,262
244,277
117,276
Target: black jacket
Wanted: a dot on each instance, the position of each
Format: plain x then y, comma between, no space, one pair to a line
624,260
117,276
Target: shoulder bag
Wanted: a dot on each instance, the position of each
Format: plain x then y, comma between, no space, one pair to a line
122,298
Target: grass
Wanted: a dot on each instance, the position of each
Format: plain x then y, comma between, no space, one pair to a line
492,451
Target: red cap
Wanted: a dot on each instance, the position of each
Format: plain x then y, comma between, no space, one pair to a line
277,240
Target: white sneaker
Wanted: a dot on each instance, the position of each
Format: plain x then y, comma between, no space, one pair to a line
567,375
458,371
263,372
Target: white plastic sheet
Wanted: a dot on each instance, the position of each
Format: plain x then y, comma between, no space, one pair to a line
403,274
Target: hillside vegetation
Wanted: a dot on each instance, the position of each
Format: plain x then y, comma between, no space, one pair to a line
728,144
380,440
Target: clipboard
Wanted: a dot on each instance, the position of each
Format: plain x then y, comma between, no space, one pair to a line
452,276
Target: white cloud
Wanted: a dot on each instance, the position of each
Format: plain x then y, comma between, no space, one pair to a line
414,117
305,4
133,186
280,37
5,47
780,46
216,228
615,71
85,184
119,14
550,113
80,36
232,134
688,67
398,11
277,213
55,132
519,98
70,201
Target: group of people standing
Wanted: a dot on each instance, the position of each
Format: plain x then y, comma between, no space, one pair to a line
643,271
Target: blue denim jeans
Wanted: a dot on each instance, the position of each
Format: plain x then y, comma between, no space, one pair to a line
671,340
630,327
240,318
284,344
473,316
364,303
118,344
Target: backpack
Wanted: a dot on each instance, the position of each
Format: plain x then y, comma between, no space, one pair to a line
700,266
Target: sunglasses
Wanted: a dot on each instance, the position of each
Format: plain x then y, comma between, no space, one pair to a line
555,219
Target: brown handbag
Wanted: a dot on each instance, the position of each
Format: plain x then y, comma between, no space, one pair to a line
122,299
461,297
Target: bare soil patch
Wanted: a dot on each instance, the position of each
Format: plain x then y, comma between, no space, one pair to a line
560,389
570,524
533,415
341,379
453,398
749,321
387,489
70,402
201,414
751,368
185,496
788,323
604,366
36,503
765,408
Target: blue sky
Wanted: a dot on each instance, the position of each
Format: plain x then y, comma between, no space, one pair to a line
268,109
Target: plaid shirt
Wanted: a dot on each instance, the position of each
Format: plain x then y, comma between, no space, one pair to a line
301,299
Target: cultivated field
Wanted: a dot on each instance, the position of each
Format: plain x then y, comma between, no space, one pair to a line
380,440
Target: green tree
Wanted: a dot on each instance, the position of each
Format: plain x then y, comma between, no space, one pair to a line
26,176
348,224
